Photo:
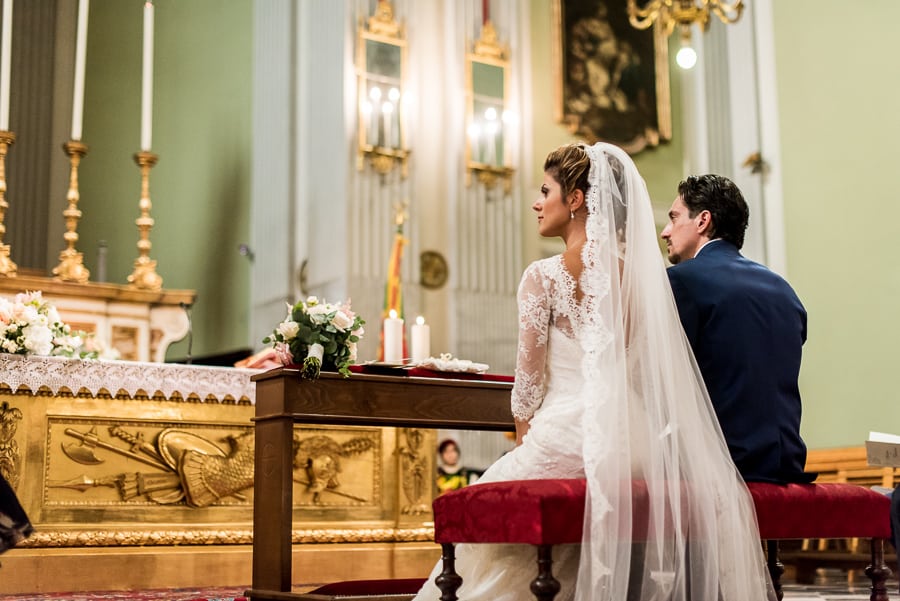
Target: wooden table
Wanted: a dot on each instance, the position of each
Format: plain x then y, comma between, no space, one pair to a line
282,400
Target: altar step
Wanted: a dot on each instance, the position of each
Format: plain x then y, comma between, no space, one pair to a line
182,594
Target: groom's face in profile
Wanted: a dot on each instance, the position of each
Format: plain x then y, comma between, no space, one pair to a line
683,239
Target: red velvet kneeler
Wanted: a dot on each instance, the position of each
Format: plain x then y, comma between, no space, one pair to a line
550,512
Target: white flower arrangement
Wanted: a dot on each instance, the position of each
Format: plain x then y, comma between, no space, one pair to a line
30,325
317,335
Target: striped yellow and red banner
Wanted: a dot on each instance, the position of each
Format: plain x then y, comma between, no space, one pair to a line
393,289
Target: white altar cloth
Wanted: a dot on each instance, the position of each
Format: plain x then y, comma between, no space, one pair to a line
132,377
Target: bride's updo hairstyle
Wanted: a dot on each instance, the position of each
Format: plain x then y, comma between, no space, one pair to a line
570,166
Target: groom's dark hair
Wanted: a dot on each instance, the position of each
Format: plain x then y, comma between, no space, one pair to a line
723,200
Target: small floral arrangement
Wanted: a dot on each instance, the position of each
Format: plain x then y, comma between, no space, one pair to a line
30,325
317,335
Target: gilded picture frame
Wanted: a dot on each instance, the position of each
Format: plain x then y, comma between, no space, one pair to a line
612,80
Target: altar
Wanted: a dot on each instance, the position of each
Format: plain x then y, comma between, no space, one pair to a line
140,475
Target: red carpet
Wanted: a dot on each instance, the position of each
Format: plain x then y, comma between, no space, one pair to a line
180,594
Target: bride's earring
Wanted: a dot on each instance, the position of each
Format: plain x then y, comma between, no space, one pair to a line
571,214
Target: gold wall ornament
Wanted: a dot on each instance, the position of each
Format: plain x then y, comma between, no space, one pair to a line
7,267
10,458
383,22
488,45
144,275
381,77
487,117
71,262
433,270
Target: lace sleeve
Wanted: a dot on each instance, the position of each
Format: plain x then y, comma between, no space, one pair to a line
534,323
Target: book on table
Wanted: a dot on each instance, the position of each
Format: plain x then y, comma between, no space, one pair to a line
883,449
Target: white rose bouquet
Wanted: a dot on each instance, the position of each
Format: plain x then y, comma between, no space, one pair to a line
317,335
30,325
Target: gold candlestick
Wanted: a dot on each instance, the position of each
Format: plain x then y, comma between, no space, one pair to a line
7,267
144,275
71,262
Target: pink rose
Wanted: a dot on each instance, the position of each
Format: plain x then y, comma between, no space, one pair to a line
283,353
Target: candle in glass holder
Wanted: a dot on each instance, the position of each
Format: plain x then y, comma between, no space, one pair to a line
393,338
420,333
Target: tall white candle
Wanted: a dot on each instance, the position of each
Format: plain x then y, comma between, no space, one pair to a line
5,63
393,338
80,56
147,80
420,333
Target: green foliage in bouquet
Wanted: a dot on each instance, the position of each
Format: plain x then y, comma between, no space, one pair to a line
317,335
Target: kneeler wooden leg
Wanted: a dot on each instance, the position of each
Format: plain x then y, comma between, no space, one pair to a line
776,568
545,586
878,572
448,581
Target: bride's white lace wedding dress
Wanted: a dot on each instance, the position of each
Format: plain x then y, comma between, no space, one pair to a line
548,382
613,395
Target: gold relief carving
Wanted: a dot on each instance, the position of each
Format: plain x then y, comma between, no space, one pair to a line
199,466
10,459
125,340
190,468
414,472
322,458
131,538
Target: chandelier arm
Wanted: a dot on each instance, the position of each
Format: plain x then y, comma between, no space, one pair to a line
728,13
643,18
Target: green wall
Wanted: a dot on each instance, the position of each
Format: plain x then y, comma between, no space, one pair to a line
837,89
200,188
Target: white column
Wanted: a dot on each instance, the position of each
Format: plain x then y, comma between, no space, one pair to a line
769,134
272,177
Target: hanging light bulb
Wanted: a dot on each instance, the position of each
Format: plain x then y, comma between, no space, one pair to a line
687,56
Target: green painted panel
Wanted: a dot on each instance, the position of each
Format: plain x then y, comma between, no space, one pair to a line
837,89
202,133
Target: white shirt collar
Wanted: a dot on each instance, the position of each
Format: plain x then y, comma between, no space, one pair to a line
705,244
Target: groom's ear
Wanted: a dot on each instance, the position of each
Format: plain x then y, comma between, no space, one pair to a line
704,223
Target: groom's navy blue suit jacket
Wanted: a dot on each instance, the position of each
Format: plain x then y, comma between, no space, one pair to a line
747,328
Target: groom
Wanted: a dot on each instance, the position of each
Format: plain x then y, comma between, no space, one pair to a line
745,325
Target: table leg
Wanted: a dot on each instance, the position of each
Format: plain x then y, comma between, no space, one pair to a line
273,504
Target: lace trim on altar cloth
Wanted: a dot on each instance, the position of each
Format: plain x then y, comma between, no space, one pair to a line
129,377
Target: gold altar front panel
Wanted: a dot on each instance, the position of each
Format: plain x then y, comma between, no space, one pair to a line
123,466
114,460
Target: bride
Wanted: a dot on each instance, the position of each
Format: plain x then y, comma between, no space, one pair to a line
607,389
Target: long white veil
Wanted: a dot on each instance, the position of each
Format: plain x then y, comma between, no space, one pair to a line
657,466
